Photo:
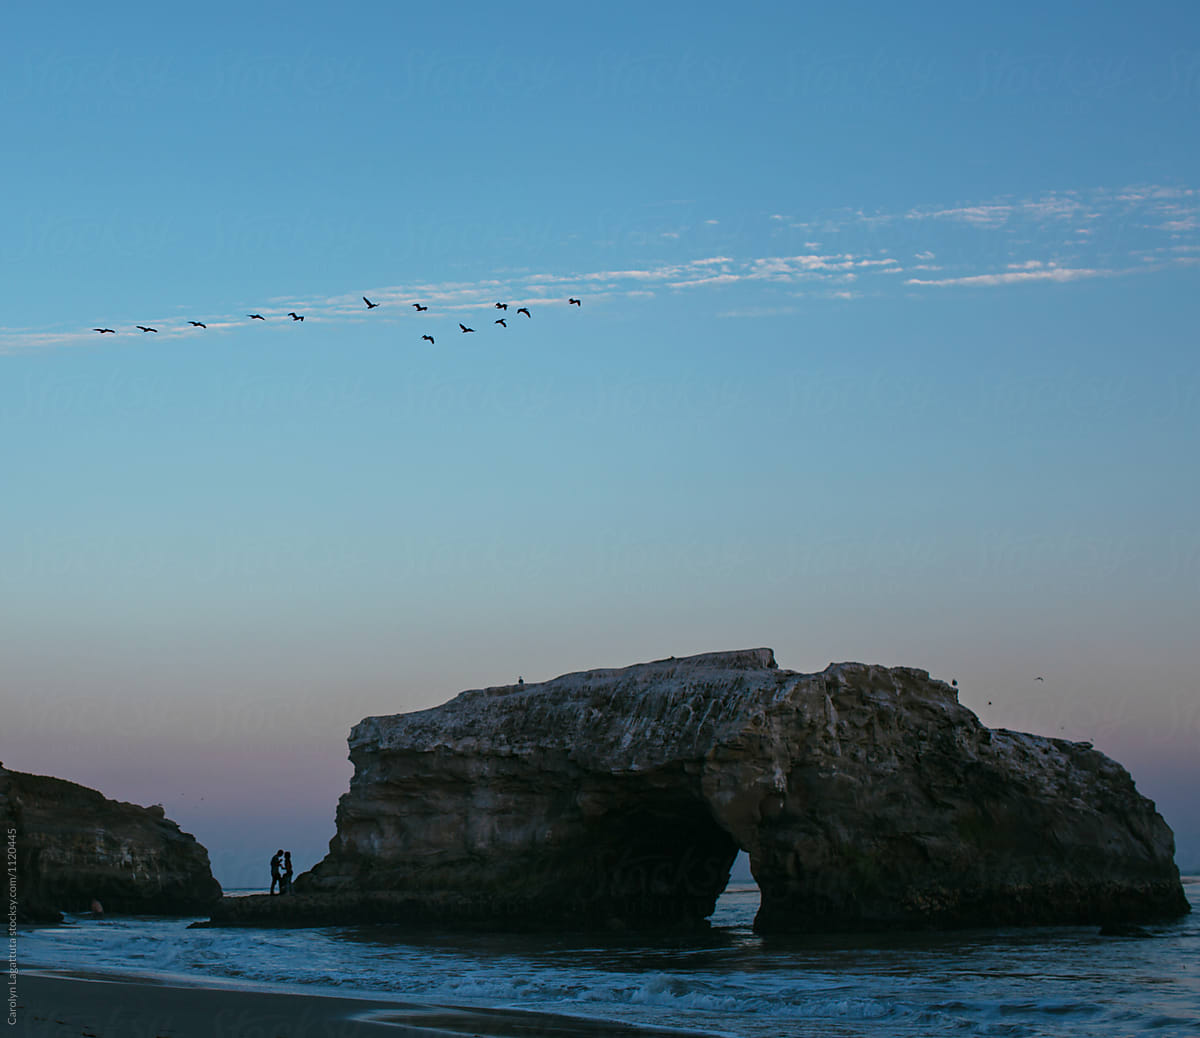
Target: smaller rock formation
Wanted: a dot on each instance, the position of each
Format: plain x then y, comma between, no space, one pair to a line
75,847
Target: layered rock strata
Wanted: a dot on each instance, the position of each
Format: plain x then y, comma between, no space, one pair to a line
71,845
867,797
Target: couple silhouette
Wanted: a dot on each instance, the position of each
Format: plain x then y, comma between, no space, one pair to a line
281,871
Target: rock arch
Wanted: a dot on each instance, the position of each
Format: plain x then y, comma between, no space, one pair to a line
865,796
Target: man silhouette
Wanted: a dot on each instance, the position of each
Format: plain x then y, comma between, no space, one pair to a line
276,858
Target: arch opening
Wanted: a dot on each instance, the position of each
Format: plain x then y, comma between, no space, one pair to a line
738,904
657,855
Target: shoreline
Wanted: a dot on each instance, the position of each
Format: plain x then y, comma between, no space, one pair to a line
69,1004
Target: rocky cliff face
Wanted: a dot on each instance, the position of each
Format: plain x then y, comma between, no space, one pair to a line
74,845
866,797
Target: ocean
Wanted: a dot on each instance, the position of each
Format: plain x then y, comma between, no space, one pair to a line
728,981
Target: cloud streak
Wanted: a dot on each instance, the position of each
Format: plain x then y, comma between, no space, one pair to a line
1058,237
1012,277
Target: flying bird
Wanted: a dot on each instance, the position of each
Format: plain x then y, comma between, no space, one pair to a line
296,317
104,331
465,328
522,310
430,338
370,305
1039,678
502,321
256,317
197,324
143,328
574,302
501,306
420,307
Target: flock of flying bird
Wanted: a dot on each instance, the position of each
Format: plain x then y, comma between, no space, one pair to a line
502,321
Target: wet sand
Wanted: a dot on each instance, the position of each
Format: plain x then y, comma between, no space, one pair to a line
65,1005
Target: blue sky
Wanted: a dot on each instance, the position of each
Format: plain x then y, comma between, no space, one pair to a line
886,352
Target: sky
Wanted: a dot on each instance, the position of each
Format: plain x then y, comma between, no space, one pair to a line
885,351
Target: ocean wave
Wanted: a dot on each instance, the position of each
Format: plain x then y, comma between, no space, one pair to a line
1065,983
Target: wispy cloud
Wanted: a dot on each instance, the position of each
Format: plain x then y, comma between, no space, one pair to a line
993,214
543,288
716,279
1187,220
1011,277
1057,237
989,215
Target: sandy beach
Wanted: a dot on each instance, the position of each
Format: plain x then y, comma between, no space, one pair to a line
108,1006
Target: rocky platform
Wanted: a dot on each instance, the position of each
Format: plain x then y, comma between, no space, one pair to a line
72,845
867,797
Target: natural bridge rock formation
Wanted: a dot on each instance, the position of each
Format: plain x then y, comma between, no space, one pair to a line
866,797
71,845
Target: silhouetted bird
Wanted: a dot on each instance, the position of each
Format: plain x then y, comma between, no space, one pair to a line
296,317
989,702
143,328
256,317
104,331
501,306
522,310
954,682
503,322
430,338
370,305
575,302
197,324
1039,678
419,307
520,680
465,328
